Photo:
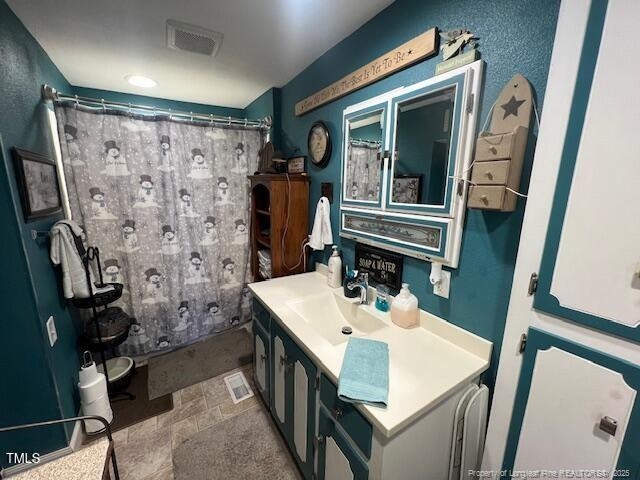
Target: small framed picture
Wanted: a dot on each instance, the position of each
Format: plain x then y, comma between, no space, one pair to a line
407,189
38,184
296,165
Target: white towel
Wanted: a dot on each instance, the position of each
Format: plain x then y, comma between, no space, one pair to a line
321,234
63,252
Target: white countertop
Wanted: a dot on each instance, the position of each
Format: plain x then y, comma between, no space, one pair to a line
426,363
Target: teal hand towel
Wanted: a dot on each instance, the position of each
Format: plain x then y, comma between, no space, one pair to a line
364,376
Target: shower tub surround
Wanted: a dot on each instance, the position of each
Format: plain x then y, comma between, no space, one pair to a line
429,368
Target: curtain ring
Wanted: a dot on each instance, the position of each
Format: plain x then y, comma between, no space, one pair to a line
211,119
77,101
191,113
104,108
129,108
229,120
245,123
170,115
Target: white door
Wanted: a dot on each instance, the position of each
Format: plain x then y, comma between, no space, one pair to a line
588,273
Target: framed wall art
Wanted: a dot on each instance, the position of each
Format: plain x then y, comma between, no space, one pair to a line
38,184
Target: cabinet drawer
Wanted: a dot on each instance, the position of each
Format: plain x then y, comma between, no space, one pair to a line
491,197
346,414
491,173
261,314
494,147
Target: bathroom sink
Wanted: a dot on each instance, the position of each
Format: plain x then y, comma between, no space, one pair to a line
327,314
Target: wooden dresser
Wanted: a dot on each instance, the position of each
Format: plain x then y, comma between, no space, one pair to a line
279,208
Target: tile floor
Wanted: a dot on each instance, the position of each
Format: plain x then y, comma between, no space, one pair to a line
144,451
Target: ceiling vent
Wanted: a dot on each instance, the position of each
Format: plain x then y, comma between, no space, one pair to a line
189,38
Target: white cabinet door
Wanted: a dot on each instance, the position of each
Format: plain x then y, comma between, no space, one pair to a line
279,372
260,363
300,392
336,464
569,395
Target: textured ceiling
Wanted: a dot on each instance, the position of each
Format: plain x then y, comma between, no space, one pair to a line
266,43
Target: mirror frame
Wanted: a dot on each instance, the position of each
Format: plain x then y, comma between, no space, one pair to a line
381,107
450,220
454,150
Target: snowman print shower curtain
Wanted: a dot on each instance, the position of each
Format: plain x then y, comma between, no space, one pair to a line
167,204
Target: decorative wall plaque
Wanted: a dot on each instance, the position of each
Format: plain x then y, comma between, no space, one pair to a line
420,47
382,266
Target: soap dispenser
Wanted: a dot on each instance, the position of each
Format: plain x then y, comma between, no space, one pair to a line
334,275
404,308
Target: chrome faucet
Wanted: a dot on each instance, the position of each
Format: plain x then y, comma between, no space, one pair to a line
361,282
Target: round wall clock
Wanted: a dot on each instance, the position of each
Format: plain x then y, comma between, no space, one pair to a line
319,144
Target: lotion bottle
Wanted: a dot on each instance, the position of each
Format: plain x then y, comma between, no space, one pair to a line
334,275
404,308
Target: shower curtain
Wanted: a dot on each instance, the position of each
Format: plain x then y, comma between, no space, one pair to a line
167,204
363,170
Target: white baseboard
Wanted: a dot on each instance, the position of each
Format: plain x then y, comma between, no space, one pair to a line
77,437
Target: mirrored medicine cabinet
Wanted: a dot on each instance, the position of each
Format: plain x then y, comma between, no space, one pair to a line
405,155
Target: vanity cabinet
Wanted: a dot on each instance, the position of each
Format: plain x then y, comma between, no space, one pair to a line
293,397
337,458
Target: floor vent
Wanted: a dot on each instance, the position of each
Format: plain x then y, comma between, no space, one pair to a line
238,387
189,38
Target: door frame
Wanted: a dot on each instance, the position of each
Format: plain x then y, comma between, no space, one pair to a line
563,71
539,340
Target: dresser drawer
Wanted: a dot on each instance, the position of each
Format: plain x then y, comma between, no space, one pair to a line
491,197
261,314
346,414
494,147
491,173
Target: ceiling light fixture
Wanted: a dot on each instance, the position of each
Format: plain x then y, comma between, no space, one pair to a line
140,81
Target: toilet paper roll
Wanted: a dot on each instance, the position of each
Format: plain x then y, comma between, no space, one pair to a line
95,389
100,407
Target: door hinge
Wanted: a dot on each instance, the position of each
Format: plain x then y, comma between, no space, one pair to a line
533,284
523,343
317,383
317,440
470,100
460,187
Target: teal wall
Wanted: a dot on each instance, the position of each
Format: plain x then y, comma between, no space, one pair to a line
515,37
156,102
37,381
268,104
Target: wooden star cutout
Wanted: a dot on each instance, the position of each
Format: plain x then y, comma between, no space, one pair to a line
511,107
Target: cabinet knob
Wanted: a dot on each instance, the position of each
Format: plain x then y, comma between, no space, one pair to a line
336,413
493,150
489,175
608,425
484,199
263,358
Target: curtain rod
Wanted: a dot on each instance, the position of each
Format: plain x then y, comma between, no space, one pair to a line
51,94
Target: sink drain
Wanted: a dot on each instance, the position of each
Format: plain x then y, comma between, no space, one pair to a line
347,330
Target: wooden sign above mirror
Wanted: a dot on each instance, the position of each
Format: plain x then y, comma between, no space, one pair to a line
416,49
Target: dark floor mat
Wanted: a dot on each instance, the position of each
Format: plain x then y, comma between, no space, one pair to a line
197,362
127,412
